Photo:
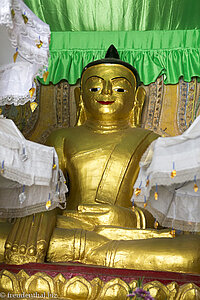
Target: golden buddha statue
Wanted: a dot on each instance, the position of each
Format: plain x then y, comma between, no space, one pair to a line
100,159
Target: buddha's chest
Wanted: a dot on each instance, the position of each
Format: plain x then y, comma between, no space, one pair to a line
100,167
103,168
87,158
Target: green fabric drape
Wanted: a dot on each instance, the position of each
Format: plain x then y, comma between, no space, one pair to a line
156,36
117,15
172,53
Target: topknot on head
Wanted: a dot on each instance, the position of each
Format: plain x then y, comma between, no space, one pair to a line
112,57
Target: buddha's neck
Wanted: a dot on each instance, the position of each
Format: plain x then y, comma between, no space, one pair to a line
107,126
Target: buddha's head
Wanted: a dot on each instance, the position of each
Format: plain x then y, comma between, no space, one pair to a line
109,88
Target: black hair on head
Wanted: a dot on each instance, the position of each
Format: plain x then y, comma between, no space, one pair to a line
112,57
112,52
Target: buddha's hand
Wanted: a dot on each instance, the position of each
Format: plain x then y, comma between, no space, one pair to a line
29,238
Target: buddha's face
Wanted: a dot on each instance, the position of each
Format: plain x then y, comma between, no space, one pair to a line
108,92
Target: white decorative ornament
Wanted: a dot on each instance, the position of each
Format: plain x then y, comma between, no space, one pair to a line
178,203
22,198
15,81
30,36
28,164
5,13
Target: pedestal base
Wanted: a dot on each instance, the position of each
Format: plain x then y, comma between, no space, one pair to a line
77,281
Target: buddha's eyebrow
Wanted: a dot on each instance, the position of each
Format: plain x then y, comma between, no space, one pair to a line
121,78
94,77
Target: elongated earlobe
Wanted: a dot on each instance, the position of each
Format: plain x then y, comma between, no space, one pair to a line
136,114
80,114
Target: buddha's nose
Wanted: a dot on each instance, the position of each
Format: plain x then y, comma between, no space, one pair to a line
107,88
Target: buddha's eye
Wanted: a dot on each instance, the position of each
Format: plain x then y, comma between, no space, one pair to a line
120,90
95,89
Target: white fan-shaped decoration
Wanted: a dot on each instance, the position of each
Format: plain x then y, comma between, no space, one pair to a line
26,34
178,193
29,175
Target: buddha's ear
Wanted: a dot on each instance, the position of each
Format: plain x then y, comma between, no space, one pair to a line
77,93
136,114
140,96
80,110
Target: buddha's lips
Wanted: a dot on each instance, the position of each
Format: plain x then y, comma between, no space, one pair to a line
105,102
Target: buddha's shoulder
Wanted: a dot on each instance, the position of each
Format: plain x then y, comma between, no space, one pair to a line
58,136
142,132
140,135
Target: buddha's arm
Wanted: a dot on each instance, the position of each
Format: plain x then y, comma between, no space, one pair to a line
29,237
57,140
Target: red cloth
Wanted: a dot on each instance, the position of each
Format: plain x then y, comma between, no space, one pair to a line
89,272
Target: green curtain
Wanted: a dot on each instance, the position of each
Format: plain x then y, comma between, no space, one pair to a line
117,15
152,53
156,36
